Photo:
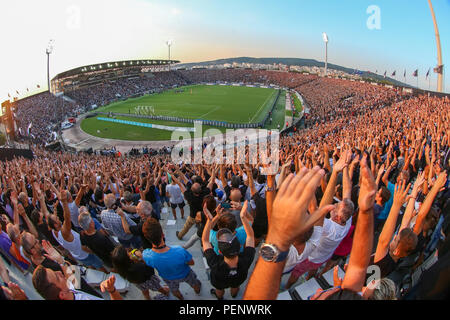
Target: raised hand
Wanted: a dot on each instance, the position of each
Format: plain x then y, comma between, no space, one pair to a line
400,194
14,292
108,285
368,188
52,253
289,215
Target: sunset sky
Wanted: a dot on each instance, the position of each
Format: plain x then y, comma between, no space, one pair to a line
96,31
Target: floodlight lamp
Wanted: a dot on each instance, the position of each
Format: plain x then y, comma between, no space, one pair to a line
169,43
325,37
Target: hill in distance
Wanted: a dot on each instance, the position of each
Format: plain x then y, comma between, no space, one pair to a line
293,62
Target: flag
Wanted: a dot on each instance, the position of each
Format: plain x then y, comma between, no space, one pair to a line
29,128
385,74
439,69
38,86
416,73
9,96
428,73
17,92
404,75
394,73
28,90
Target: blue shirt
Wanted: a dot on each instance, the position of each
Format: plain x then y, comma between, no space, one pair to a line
387,207
240,234
171,265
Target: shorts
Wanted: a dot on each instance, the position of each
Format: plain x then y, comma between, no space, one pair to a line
179,205
92,261
152,284
191,279
304,267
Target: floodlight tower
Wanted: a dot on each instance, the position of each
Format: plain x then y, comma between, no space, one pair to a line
49,52
440,67
325,39
169,45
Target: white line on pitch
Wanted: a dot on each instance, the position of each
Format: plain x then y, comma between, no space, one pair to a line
257,112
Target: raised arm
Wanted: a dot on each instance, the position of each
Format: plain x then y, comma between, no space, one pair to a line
250,241
401,191
363,238
67,224
408,215
289,220
125,225
426,206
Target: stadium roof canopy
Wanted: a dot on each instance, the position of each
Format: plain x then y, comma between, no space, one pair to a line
114,65
96,73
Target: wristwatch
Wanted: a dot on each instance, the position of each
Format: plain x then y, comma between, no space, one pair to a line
271,253
270,189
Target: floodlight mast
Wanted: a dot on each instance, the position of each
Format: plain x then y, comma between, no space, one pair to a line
49,52
169,44
325,39
439,50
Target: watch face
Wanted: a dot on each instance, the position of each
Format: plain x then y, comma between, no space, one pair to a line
268,253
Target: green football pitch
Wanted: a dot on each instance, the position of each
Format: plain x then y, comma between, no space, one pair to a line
220,103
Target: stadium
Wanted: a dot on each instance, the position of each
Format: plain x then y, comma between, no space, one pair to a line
336,187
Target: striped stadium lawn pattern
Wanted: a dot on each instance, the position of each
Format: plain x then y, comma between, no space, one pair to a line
203,102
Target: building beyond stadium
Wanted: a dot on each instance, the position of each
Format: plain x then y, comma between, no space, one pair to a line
92,75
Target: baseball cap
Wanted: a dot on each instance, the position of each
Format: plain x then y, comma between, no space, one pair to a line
228,243
219,194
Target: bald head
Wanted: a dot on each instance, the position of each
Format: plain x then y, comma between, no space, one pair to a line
236,195
196,188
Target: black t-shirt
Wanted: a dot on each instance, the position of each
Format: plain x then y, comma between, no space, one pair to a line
139,273
137,231
195,202
101,245
387,265
222,276
435,282
150,195
260,225
46,234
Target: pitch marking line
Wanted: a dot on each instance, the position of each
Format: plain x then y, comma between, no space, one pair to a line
265,102
215,109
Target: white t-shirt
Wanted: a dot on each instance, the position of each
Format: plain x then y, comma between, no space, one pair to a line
332,235
74,213
74,247
176,197
295,258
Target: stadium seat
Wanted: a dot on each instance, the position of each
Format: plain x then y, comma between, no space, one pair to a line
284,296
305,290
327,281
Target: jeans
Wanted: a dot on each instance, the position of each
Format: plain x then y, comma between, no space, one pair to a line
157,209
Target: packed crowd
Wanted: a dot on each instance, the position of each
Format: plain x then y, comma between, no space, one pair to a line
43,113
367,187
108,91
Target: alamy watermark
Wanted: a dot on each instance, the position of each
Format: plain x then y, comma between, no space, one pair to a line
374,20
